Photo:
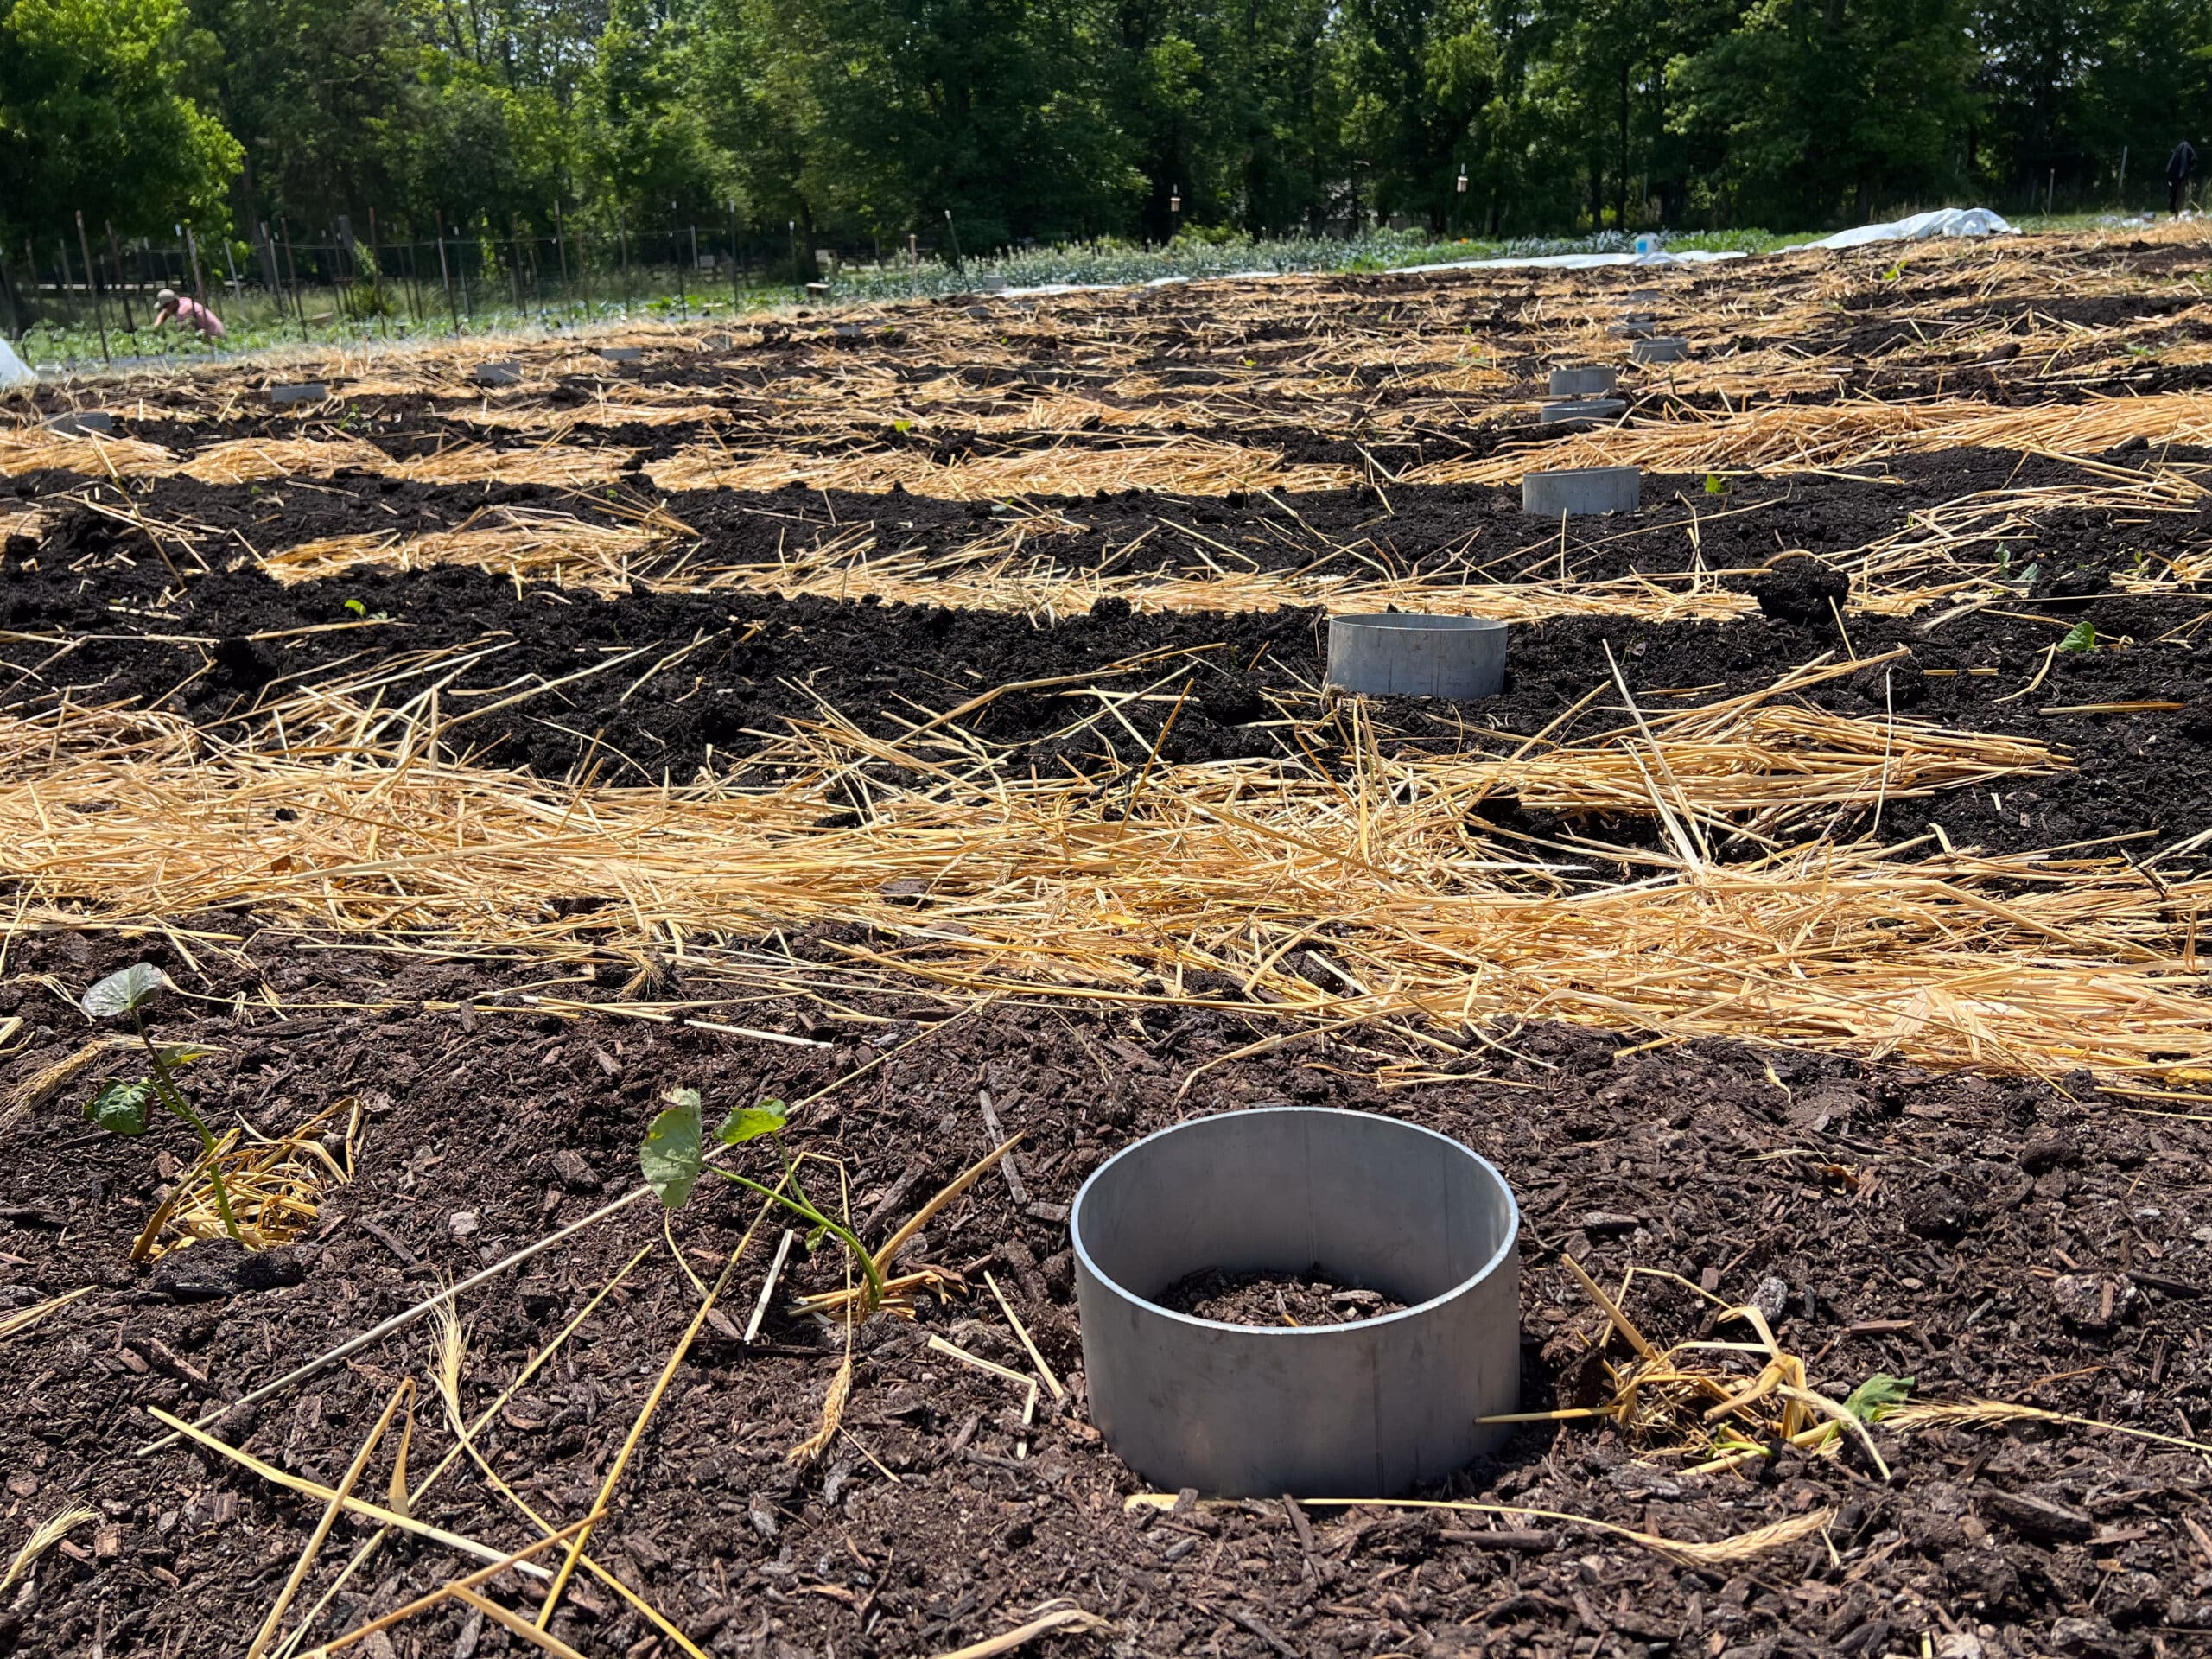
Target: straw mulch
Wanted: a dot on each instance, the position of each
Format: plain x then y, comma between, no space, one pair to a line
274,1185
1267,886
1184,465
28,448
1000,578
559,422
1390,351
528,543
1004,570
256,458
2029,350
1757,765
1770,438
247,461
1796,438
1948,553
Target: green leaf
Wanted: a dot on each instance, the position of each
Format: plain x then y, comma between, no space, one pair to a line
120,993
902,427
1877,1395
1715,485
184,1053
2081,637
122,1108
357,607
2029,575
750,1122
671,1155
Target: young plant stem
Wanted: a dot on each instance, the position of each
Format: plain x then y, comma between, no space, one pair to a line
173,1097
799,1206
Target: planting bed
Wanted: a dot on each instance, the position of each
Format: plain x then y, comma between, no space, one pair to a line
917,718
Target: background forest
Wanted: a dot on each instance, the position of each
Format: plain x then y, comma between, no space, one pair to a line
868,120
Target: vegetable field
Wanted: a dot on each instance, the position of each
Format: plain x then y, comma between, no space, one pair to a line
898,735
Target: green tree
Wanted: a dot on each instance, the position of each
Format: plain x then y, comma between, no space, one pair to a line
879,116
321,94
2039,56
95,116
643,140
1813,109
2070,84
1400,134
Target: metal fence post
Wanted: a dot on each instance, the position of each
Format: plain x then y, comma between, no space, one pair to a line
191,248
376,277
676,259
99,311
447,275
292,278
583,268
622,239
237,288
61,288
122,287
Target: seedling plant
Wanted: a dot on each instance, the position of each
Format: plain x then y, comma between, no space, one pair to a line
126,1107
674,1157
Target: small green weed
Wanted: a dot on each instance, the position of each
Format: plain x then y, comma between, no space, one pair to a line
2081,637
1877,1397
125,1107
673,1158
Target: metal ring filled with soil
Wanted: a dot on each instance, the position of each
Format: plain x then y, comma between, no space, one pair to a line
1368,1408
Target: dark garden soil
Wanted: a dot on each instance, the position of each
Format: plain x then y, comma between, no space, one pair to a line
1454,529
1312,1296
88,623
1989,1239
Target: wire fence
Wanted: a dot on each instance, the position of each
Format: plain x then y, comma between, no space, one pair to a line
275,285
84,294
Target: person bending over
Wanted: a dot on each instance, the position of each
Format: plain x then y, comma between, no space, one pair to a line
172,306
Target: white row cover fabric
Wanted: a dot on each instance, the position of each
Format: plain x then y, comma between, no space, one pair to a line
1941,221
1552,262
13,371
1574,262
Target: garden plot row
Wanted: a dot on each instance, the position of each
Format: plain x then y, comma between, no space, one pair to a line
1893,1222
1667,436
2127,313
467,836
1124,801
1971,525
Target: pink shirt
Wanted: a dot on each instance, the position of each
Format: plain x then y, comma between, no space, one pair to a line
193,314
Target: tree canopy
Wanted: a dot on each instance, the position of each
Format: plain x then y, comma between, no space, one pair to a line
1047,119
96,116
